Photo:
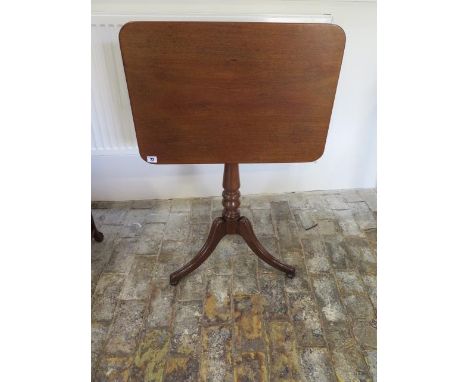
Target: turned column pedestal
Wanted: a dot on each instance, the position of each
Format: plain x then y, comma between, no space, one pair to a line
230,223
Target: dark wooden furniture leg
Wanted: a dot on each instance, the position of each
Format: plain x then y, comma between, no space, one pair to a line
98,236
246,231
230,223
217,232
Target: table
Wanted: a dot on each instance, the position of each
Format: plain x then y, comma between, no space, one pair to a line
231,92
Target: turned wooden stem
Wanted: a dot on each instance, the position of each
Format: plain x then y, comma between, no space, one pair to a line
231,196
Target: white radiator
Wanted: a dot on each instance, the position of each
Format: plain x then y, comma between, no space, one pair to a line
111,119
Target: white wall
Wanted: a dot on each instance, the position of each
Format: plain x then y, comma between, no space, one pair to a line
349,161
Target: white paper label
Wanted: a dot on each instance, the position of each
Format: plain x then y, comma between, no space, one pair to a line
152,159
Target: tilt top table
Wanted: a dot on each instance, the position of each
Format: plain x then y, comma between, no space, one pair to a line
230,92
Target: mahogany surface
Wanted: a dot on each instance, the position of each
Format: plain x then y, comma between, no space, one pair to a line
227,92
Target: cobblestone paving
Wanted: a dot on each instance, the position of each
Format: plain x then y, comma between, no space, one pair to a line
235,318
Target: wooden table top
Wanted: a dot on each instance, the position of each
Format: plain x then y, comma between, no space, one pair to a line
228,92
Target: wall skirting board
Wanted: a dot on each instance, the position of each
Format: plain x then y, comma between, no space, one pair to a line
118,173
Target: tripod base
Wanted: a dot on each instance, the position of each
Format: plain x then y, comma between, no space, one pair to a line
219,229
230,223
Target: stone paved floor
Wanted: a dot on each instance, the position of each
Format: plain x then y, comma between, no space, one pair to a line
236,318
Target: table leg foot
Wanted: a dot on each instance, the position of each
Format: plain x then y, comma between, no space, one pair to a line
291,274
97,235
173,281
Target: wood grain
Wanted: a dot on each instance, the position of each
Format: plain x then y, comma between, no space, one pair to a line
226,92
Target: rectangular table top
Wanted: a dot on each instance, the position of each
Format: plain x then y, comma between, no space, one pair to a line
230,92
